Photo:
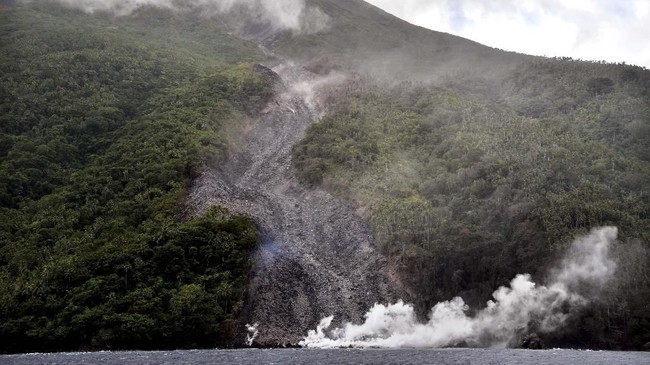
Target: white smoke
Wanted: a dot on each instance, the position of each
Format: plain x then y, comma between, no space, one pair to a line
293,15
314,91
252,333
515,310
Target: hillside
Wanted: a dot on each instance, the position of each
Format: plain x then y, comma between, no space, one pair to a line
161,189
103,126
464,194
360,37
468,181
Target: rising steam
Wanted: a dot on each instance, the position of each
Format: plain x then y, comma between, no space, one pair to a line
252,333
293,15
515,310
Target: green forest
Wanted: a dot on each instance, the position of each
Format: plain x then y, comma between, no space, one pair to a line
466,175
466,186
102,127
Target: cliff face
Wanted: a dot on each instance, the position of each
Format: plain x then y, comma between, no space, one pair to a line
316,257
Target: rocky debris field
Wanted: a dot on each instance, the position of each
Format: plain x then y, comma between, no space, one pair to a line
316,257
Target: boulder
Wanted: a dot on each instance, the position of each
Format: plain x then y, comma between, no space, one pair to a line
532,342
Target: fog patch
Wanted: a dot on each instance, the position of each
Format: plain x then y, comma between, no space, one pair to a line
293,15
313,92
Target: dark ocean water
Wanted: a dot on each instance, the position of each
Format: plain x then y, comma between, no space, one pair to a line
339,356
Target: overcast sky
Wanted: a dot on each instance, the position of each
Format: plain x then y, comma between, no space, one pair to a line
611,30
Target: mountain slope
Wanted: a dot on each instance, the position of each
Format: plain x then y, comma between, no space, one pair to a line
368,40
436,167
102,129
469,180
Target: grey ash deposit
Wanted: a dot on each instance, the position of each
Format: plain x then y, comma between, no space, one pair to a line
316,257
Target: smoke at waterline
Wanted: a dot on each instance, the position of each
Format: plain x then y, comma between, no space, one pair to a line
515,310
252,333
294,15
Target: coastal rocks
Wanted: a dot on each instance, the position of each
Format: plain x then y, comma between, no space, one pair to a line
532,342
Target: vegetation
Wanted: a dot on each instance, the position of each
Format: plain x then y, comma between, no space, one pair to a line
104,121
102,127
464,191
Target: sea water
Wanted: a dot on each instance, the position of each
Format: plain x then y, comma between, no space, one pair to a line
335,356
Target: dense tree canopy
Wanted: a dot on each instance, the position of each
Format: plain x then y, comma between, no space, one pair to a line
104,121
466,186
101,132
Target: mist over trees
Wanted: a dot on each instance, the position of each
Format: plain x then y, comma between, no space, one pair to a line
471,165
463,191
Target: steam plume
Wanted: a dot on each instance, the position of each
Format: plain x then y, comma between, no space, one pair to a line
515,310
292,15
252,333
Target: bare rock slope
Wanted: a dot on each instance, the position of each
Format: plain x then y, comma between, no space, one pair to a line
317,257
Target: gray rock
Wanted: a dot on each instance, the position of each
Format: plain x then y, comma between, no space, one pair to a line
316,257
532,342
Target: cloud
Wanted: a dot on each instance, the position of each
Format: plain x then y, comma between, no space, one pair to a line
294,15
611,30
